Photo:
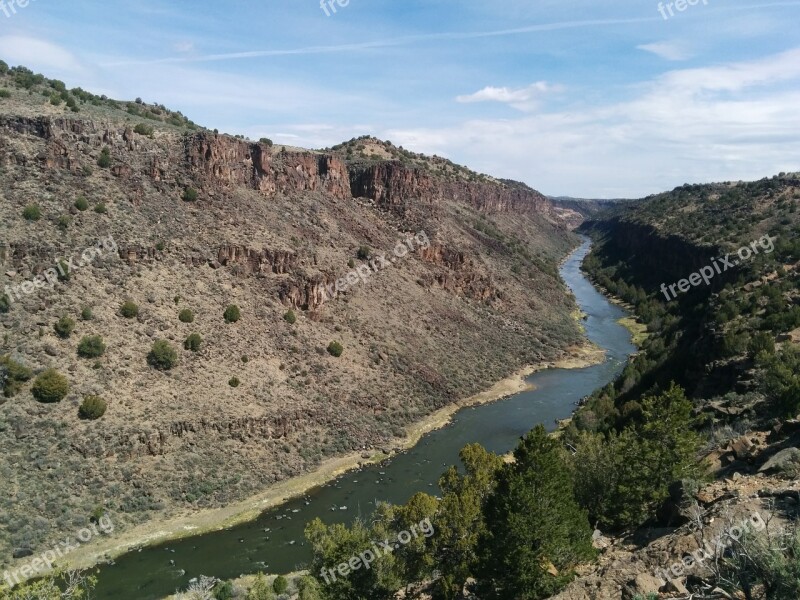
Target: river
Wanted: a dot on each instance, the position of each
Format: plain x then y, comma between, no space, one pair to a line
274,542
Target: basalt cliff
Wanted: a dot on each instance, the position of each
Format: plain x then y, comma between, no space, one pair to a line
304,243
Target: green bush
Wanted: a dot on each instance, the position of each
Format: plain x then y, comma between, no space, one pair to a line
105,159
186,316
290,317
190,194
335,349
64,327
280,585
144,129
101,209
223,590
5,303
86,313
129,309
266,141
92,407
81,204
162,356
5,94
234,382
64,221
232,314
51,386
91,347
193,342
32,212
364,252
15,375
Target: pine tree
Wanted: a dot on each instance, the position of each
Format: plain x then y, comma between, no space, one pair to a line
460,520
535,531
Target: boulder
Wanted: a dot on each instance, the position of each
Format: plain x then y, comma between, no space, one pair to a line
782,461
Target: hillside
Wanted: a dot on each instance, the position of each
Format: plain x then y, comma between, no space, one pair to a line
729,337
458,289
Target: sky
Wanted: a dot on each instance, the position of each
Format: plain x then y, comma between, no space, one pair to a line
573,97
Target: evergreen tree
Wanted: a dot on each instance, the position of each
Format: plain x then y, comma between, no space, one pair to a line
460,521
535,531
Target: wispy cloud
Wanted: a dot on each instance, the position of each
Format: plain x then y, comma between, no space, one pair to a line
668,50
725,122
384,43
527,98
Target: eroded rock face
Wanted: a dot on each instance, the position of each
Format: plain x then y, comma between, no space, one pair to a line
221,159
279,262
458,274
308,293
392,184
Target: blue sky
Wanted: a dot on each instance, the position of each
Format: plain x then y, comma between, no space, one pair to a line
574,97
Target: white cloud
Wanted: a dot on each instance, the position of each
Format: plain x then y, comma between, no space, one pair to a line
667,50
727,122
527,98
38,54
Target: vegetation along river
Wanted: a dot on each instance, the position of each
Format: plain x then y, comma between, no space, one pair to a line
274,542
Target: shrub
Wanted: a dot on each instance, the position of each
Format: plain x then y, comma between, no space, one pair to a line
86,313
234,382
51,386
267,142
129,309
280,585
101,209
162,356
5,303
92,407
12,375
186,316
81,204
105,158
32,213
91,347
5,94
335,349
63,222
223,590
232,314
290,317
364,252
190,194
144,129
193,342
64,327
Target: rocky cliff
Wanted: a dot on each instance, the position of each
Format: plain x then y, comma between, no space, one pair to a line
271,229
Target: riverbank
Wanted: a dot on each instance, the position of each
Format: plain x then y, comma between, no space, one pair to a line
204,521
